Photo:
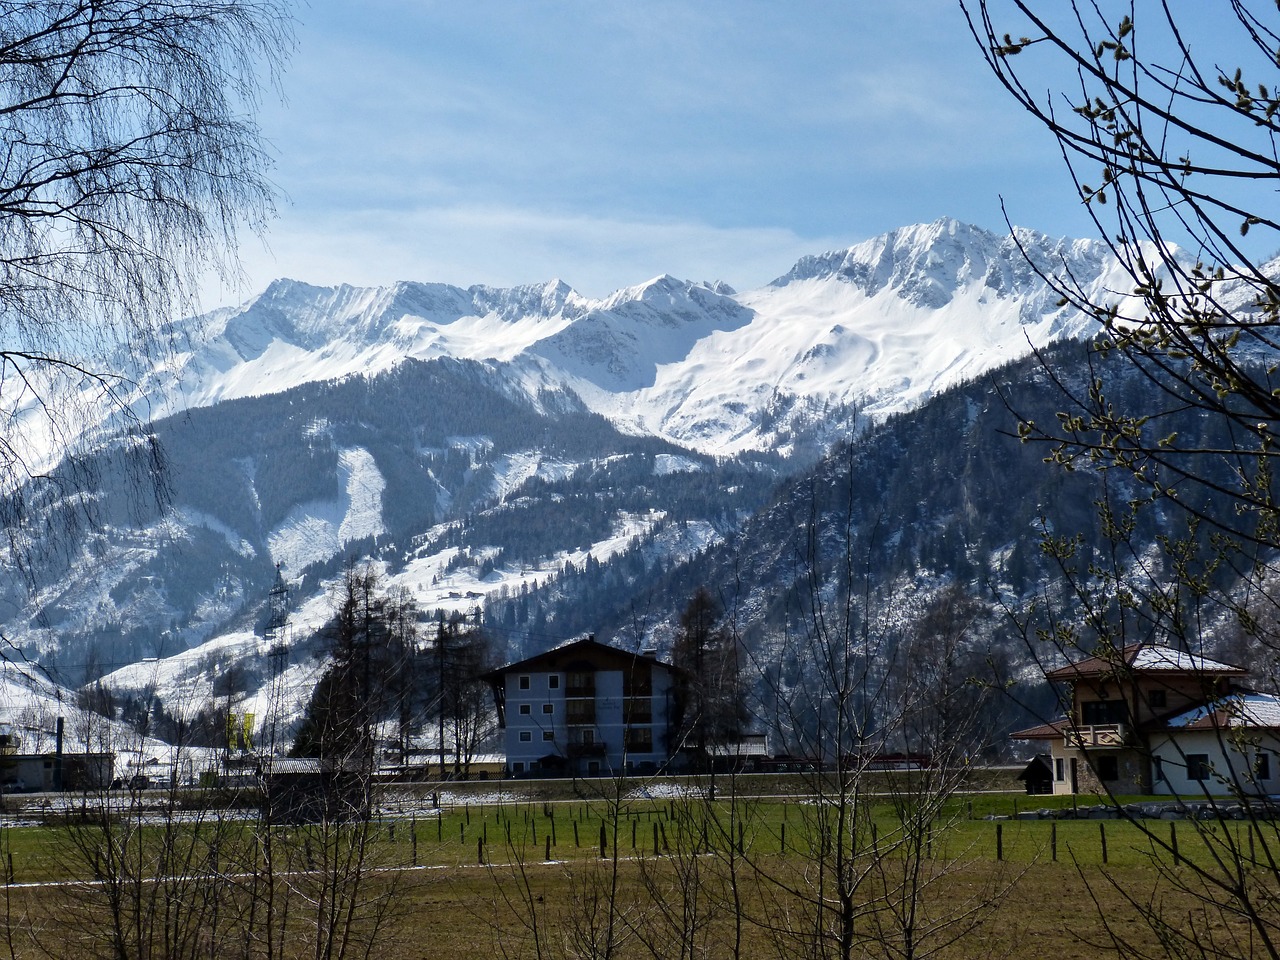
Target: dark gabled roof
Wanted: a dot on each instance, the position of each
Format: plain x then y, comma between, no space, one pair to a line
1148,660
1038,766
566,655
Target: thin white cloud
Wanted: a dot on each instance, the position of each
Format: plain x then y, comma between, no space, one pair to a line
509,142
504,247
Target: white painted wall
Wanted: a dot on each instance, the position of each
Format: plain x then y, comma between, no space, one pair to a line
1231,754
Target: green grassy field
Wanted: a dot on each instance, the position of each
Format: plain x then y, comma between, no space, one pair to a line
479,832
531,877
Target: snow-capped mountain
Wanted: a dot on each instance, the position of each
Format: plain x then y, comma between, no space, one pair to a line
487,444
878,327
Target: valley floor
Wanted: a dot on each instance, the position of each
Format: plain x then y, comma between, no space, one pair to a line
635,878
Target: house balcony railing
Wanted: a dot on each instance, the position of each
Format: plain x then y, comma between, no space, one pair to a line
639,710
586,750
1098,735
579,714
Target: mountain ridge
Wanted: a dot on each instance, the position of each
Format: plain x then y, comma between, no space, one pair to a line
875,327
481,443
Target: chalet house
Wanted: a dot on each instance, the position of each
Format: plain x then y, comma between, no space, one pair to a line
584,709
1153,720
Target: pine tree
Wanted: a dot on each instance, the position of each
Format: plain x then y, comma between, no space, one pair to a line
372,640
709,704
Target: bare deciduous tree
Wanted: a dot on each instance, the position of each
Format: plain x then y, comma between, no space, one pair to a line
1168,117
131,160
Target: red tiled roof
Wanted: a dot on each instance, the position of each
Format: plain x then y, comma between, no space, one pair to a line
1045,731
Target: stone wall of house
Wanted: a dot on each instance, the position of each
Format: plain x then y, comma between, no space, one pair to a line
1132,775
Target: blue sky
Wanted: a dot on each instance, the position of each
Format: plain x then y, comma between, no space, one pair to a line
513,141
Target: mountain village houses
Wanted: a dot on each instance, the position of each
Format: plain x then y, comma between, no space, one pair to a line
1149,719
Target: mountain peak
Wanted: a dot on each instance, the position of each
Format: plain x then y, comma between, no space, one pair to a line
927,264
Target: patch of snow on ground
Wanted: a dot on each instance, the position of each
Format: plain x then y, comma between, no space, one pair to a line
665,790
308,535
198,518
513,471
460,590
364,495
317,530
665,464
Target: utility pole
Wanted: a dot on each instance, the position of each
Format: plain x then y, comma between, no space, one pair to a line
440,686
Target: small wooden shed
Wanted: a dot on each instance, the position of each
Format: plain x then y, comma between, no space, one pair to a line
1037,775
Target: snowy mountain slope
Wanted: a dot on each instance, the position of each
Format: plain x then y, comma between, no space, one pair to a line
620,345
878,327
316,530
481,443
883,325
295,333
189,679
447,472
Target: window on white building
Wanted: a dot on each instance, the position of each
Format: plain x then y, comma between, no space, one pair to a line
1262,766
548,735
1198,766
548,708
526,736
525,709
524,683
1103,712
1059,769
553,682
639,739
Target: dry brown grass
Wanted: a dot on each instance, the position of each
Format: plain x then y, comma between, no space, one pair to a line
484,913
472,914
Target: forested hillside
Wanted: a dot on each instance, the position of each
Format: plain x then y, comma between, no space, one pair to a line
944,498
448,457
